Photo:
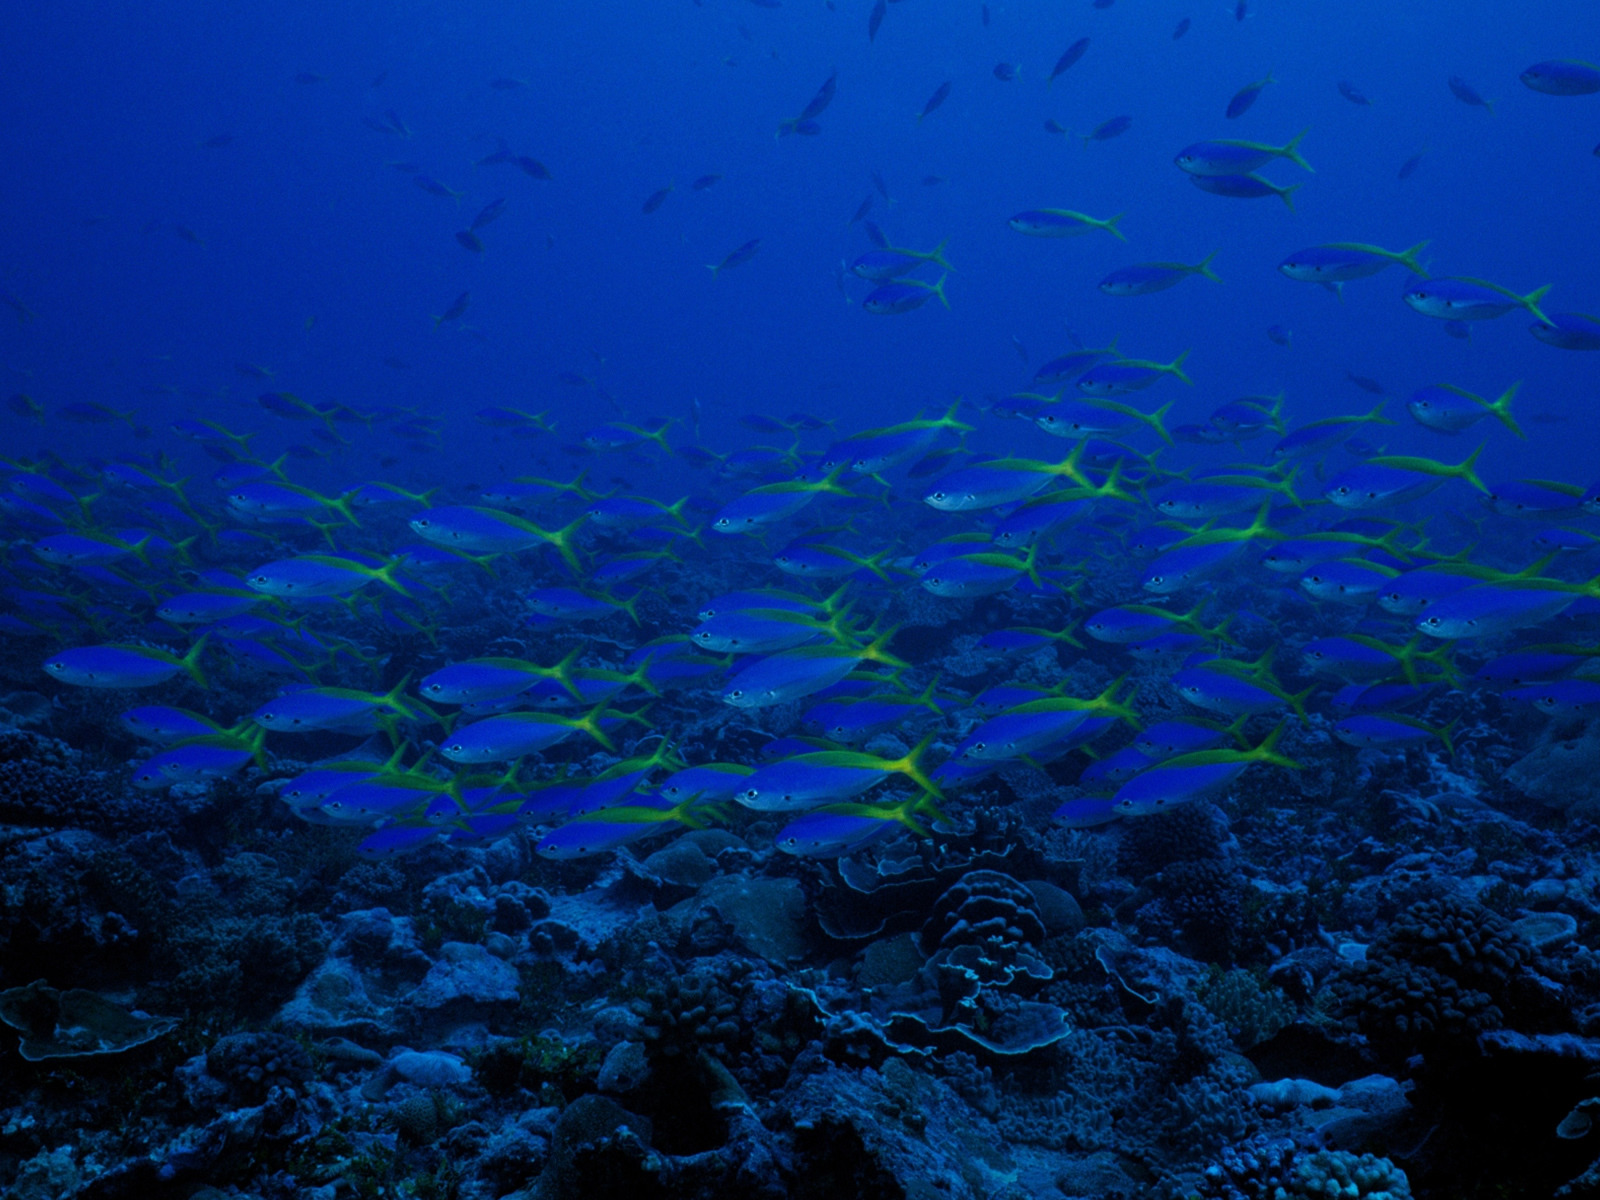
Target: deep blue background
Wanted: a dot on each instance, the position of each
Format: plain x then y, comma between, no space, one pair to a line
102,109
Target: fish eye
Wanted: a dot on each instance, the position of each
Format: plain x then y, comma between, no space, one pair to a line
938,496
736,693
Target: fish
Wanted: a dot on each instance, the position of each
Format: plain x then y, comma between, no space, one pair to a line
940,95
1316,436
656,199
1071,365
1144,278
1063,223
1124,375
313,576
1228,157
903,296
880,9
1493,609
1182,28
807,781
1069,58
1338,263
124,665
894,263
795,674
434,188
1445,408
836,830
1469,95
510,736
1563,77
815,107
1246,97
1409,167
1231,690
1006,72
610,828
1193,776
1384,731
1394,479
1108,129
1462,299
457,310
704,182
1568,331
1245,187
736,257
1353,94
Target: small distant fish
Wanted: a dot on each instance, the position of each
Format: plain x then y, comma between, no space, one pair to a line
252,370
940,95
1183,28
1051,125
1280,335
736,257
985,8
656,199
489,212
1245,97
188,235
1409,167
470,241
1459,330
861,212
1108,129
502,155
806,121
1068,57
1353,94
456,311
1469,95
533,168
1241,9
883,188
875,20
1365,383
1563,77
434,188
1006,72
1103,3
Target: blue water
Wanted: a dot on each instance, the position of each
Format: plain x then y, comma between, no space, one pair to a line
204,204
